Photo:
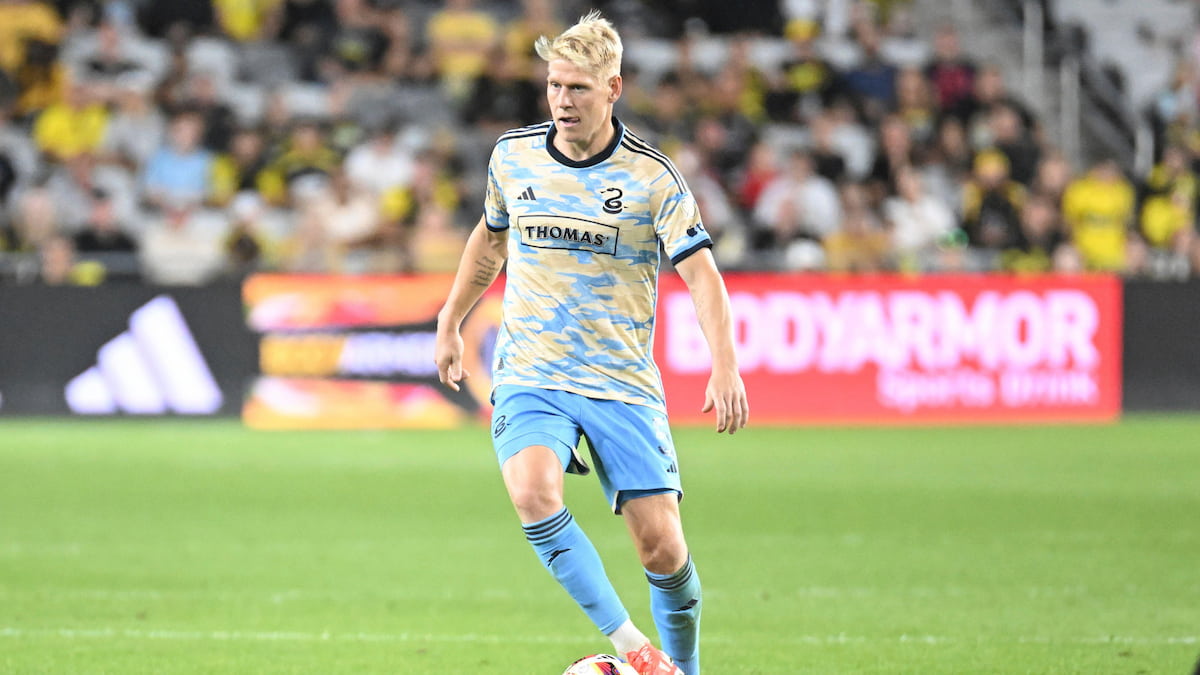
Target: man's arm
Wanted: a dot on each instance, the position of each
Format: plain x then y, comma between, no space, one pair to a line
725,392
482,259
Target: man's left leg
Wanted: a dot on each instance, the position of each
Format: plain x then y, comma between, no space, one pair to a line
675,597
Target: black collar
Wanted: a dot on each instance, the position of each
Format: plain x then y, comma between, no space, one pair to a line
590,161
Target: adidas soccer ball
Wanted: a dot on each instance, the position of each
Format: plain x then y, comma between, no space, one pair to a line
600,664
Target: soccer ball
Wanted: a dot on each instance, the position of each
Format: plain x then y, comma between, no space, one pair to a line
600,664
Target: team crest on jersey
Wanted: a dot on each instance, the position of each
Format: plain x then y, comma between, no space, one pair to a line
574,234
612,204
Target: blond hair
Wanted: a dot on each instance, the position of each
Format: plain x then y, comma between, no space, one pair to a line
592,44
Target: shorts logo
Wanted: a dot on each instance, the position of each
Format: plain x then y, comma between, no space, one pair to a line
613,204
499,427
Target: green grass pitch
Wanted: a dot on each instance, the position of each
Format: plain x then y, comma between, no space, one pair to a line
201,547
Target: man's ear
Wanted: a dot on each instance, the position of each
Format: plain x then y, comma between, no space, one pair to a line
615,87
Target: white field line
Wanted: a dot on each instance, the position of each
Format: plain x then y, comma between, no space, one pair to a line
481,638
278,596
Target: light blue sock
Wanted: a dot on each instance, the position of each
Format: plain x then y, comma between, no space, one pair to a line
675,601
569,555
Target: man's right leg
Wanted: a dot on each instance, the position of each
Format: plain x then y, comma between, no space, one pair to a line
534,479
535,432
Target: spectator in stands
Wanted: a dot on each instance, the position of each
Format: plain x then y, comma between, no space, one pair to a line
990,91
176,20
461,39
59,266
951,73
239,169
182,245
1042,247
947,164
75,126
896,151
342,221
247,244
110,56
1176,110
381,162
72,184
204,98
672,119
992,204
243,21
914,105
22,21
762,167
306,152
827,158
103,232
919,221
805,82
537,18
716,211
436,243
852,139
306,25
357,44
871,81
726,133
8,178
1098,209
1168,213
41,79
1010,137
404,61
180,170
34,221
859,244
746,83
798,204
1052,177
19,148
136,128
502,97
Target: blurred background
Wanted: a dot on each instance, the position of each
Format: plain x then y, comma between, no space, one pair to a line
209,148
960,240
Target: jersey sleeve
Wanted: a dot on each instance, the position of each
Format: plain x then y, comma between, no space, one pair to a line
494,209
677,220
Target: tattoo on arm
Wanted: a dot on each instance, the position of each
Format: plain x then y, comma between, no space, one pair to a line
486,269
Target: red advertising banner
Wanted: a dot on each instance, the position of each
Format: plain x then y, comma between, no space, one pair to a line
893,349
355,352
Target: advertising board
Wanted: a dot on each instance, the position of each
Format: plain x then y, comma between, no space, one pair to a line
891,349
349,352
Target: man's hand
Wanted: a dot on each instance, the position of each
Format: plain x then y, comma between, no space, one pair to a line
727,394
448,353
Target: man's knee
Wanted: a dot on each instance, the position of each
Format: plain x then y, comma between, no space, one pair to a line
534,502
662,550
533,478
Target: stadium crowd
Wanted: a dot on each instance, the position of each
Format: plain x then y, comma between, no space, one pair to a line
188,141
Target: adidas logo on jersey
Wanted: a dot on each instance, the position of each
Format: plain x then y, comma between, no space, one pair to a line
528,194
153,368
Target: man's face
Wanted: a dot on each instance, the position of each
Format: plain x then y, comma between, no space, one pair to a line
580,102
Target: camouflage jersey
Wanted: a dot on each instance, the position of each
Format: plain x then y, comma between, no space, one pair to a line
583,259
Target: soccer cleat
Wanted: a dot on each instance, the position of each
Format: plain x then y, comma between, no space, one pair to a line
650,661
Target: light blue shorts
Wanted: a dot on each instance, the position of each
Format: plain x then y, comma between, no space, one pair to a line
629,444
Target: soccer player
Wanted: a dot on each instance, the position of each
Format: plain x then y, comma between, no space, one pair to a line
578,206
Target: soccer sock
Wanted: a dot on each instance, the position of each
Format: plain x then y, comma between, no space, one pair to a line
572,560
675,601
627,638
